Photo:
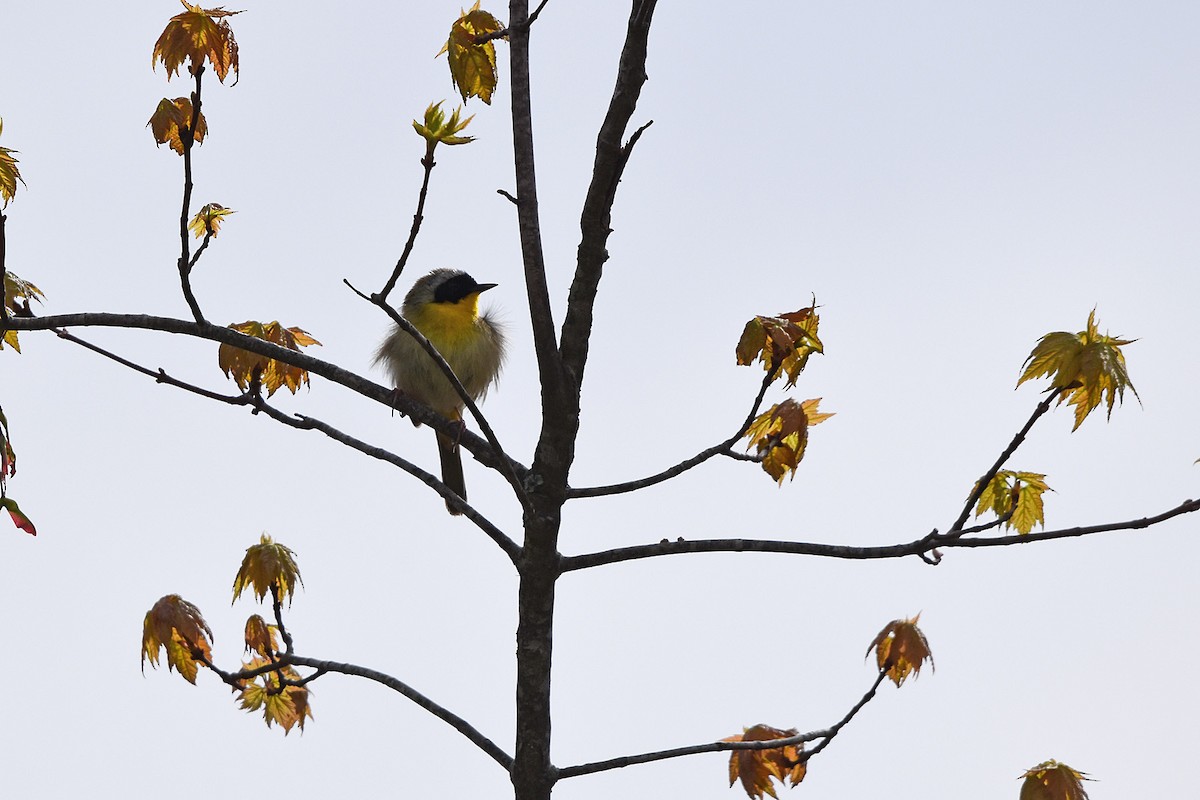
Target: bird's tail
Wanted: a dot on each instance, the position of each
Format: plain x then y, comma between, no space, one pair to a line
452,470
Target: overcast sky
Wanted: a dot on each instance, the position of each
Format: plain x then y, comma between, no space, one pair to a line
951,180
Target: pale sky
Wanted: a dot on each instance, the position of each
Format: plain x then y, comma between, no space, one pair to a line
951,180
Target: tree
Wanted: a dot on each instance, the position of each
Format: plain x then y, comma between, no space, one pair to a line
662,430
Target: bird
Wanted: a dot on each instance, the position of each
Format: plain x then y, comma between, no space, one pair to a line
444,307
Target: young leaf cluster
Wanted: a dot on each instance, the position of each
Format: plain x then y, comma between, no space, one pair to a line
199,35
783,344
176,626
758,768
1088,367
268,566
172,120
247,369
1015,497
779,435
901,649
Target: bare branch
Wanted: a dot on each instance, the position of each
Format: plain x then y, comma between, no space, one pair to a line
322,667
453,720
510,548
925,544
825,735
428,163
704,455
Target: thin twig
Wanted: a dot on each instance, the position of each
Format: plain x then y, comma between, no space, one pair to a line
925,544
722,448
322,667
188,140
510,548
511,199
825,735
3,272
208,235
428,163
983,482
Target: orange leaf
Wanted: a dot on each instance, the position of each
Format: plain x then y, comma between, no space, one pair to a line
175,625
783,344
197,34
260,637
780,435
248,368
901,649
756,768
171,121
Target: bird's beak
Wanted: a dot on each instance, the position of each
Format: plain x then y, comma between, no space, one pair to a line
483,287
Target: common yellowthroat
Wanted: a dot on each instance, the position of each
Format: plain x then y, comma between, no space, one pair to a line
444,307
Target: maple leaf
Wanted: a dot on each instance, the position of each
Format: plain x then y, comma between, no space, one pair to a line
208,219
197,34
9,174
172,119
1051,780
780,435
247,368
281,703
436,128
175,625
268,565
901,649
1007,487
261,637
1088,367
756,768
473,64
783,344
18,294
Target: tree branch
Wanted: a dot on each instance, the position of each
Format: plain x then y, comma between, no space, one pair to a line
684,466
925,544
478,446
485,744
826,735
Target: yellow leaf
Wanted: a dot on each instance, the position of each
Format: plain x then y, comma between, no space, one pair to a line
197,34
473,66
268,565
246,368
175,625
783,344
1025,489
757,768
1087,366
901,649
208,219
780,435
1051,780
172,119
9,174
